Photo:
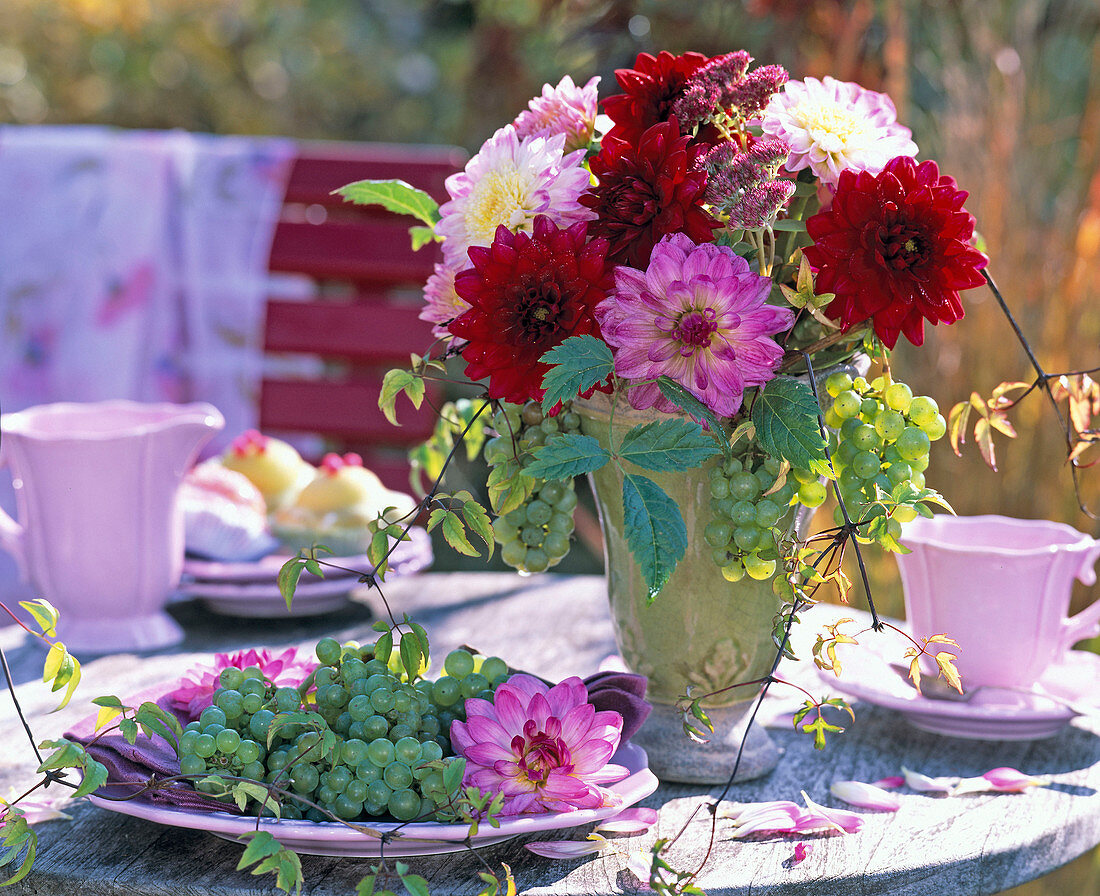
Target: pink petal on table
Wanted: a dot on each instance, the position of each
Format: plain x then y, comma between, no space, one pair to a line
866,796
639,864
630,821
775,817
568,849
924,784
801,850
998,780
834,819
890,783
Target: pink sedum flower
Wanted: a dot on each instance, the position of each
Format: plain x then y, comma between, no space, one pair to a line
699,315
833,125
441,303
546,749
511,181
566,109
196,689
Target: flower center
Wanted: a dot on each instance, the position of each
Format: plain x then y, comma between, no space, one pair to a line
539,306
695,329
498,198
832,125
902,247
539,752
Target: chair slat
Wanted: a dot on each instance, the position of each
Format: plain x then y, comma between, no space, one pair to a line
366,331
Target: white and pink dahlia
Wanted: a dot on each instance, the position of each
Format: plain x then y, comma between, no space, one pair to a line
195,690
565,109
441,303
698,315
511,181
833,125
545,749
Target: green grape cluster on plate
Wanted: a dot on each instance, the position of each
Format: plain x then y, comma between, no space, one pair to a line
356,740
535,535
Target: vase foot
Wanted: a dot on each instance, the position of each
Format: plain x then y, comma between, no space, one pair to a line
675,757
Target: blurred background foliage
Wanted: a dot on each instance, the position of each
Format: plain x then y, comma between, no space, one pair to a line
1004,94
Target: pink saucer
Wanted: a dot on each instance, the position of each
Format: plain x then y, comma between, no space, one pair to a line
1064,692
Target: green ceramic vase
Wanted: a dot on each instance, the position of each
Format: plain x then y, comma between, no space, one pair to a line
701,630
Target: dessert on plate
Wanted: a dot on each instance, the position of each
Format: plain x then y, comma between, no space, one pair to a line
275,467
225,516
339,508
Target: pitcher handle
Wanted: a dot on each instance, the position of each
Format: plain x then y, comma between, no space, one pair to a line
11,533
1085,624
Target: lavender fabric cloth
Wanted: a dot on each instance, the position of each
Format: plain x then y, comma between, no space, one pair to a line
130,766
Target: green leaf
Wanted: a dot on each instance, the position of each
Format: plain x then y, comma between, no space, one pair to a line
128,728
289,573
577,364
565,455
265,849
163,724
383,647
394,196
95,776
455,533
791,225
394,383
421,236
415,884
66,755
452,774
654,530
18,836
667,445
785,415
478,521
693,407
44,614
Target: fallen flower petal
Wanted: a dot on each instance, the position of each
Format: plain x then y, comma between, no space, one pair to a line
801,850
998,780
890,783
630,821
568,849
866,796
777,816
639,864
924,784
835,819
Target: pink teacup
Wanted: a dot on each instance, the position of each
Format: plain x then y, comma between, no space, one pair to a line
100,534
1001,587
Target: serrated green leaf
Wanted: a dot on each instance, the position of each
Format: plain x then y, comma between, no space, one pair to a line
95,776
455,533
667,445
577,364
478,521
566,455
18,836
421,236
415,884
383,647
128,728
394,196
44,615
694,408
654,530
65,754
394,383
156,720
452,774
785,415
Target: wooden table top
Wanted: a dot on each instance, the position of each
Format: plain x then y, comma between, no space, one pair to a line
558,626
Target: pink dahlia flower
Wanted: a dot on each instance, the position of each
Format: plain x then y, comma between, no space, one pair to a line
441,303
833,125
546,749
565,109
196,689
699,315
509,182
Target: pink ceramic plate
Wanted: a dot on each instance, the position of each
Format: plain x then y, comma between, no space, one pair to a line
1065,691
422,839
262,600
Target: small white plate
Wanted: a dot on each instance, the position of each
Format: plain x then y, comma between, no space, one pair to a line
1064,691
414,839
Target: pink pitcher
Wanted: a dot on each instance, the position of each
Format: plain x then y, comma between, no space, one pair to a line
100,535
1001,587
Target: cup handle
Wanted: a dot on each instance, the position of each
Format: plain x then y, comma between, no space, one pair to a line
1085,624
11,533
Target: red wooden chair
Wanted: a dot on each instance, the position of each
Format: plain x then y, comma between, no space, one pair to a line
363,318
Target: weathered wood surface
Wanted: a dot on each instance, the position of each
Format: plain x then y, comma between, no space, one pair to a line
557,626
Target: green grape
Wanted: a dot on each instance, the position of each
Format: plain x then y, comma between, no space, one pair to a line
356,790
211,716
889,424
812,494
459,663
556,546
768,513
922,410
382,700
251,703
744,486
514,553
734,571
898,396
248,751
192,764
846,404
380,752
838,382
759,568
404,804
899,472
731,466
328,651
719,486
747,537
936,428
397,775
230,678
473,684
537,560
303,778
743,513
287,699
227,741
913,443
254,687
539,512
866,465
718,533
494,668
865,438
254,770
869,408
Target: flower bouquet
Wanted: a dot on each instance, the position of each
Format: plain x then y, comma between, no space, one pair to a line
679,298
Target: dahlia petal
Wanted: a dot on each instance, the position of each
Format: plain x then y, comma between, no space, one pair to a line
487,753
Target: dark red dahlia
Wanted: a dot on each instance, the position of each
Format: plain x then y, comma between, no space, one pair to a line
650,90
648,191
895,249
528,293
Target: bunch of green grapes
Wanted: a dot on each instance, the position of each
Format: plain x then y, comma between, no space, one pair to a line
390,746
536,535
747,509
882,436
